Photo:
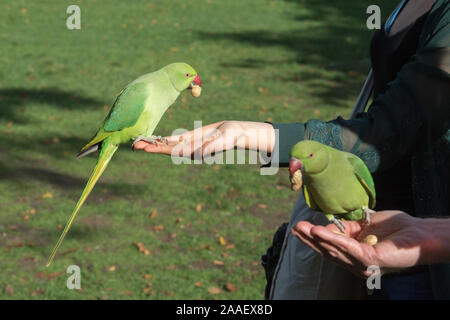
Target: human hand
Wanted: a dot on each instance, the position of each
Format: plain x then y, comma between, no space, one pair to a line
403,241
216,137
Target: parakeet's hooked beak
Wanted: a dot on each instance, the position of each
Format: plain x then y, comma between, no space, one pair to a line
195,82
196,86
294,165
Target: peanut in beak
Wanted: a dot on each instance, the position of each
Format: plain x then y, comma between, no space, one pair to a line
196,91
296,180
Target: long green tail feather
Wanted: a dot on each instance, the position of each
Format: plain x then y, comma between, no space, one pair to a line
105,156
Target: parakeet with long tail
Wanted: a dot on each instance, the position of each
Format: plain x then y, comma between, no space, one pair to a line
134,116
334,182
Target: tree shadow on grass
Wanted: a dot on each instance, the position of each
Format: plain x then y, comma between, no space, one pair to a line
12,101
15,164
23,175
329,37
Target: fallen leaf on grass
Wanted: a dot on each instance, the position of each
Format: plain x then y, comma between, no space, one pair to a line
9,290
168,293
218,263
198,208
42,275
198,284
230,246
142,248
171,267
147,276
112,268
262,206
214,290
158,228
222,241
230,287
36,292
154,214
148,290
47,195
15,245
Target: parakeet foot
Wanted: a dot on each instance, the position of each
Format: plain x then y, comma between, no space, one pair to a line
366,215
152,139
156,139
338,224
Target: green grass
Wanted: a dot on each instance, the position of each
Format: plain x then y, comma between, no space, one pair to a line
258,60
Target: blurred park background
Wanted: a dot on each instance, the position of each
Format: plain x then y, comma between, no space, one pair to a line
150,229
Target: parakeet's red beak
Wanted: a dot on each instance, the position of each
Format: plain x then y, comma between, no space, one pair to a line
294,165
197,80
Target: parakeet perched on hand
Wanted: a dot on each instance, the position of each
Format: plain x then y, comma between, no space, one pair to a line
134,116
334,182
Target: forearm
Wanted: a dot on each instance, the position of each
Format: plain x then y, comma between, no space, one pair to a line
258,136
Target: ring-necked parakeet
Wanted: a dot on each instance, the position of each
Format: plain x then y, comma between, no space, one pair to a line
134,116
334,182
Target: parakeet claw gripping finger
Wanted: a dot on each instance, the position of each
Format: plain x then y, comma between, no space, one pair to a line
338,224
366,215
161,139
152,139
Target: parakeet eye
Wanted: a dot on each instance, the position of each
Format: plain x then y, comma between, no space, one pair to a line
311,155
187,75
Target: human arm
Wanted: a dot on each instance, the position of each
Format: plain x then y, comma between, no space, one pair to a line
216,137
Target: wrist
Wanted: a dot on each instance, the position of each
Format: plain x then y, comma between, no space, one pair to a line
436,246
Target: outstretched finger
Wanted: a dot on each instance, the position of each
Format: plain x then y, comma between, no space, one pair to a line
140,145
161,148
195,134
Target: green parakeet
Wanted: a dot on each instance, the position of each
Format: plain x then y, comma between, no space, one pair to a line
334,182
134,116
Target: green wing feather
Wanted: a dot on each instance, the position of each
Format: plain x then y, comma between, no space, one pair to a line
364,176
127,108
309,200
124,113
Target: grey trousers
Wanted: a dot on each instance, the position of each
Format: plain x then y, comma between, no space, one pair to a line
302,273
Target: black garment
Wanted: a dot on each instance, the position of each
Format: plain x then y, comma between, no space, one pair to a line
391,48
270,259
